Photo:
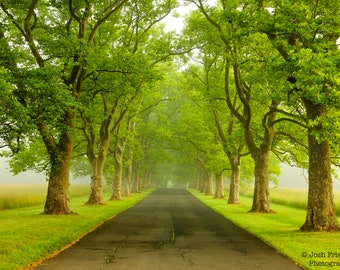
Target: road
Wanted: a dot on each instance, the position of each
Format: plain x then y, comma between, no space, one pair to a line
172,230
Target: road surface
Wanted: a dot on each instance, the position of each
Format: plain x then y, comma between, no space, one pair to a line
172,230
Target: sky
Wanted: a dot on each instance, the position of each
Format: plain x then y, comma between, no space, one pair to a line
173,23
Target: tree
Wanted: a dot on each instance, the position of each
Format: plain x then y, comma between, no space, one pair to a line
306,40
261,146
122,76
49,43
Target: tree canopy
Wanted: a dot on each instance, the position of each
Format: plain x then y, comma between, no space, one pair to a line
100,88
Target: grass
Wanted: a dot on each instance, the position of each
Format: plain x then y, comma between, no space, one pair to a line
26,236
313,250
22,195
296,198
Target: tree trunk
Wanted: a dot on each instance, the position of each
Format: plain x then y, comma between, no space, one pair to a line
136,178
97,164
261,202
96,194
209,186
127,190
219,194
118,174
201,179
148,181
117,182
321,214
234,187
57,199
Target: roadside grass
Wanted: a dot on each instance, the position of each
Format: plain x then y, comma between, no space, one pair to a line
296,198
311,250
26,236
23,195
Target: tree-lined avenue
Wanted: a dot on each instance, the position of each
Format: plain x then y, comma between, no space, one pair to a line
170,229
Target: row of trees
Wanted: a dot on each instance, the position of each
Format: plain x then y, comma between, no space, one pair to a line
279,64
74,75
95,86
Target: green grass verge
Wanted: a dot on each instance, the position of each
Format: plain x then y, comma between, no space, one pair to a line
312,250
26,236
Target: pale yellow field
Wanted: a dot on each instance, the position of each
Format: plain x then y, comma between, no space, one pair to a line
22,195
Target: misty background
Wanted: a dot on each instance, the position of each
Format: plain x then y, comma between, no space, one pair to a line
291,177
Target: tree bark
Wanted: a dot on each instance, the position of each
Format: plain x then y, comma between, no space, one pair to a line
96,194
321,214
219,193
148,180
57,199
127,190
209,186
234,187
201,179
118,174
97,161
136,179
261,202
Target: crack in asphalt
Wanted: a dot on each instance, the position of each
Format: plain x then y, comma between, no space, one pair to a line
183,255
173,230
112,256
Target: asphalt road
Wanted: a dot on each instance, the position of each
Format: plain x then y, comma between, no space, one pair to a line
172,230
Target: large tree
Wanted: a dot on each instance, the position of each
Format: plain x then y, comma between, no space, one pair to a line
306,39
49,43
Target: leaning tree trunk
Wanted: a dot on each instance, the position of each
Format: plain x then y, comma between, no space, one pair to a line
234,187
321,214
57,199
219,193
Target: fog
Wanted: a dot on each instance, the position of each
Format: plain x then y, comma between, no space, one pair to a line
29,177
291,177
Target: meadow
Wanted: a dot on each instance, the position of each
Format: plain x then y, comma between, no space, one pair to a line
22,195
296,198
26,236
311,250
